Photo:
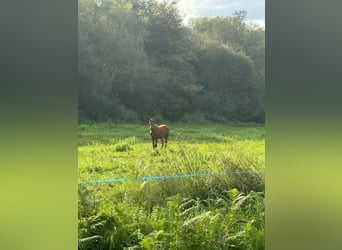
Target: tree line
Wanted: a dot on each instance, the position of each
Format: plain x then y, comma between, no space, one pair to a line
138,60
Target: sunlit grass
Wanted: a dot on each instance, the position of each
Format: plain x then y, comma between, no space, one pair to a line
106,133
232,155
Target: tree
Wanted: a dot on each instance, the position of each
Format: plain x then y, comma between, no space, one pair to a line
246,40
137,60
228,79
168,47
110,56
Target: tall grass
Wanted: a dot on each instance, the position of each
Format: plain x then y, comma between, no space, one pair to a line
222,210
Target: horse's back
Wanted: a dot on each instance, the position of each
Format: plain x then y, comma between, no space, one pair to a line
165,127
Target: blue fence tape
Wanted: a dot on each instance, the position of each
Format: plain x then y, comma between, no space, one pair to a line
146,178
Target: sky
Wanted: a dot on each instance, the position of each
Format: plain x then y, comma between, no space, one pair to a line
212,8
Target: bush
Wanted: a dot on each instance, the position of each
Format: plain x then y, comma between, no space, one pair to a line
219,222
196,117
125,145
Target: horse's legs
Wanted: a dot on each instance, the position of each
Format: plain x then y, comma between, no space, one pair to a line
154,143
165,141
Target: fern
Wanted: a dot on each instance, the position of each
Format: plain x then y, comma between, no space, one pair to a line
84,243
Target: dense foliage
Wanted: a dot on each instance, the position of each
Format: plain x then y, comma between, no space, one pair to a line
221,210
138,60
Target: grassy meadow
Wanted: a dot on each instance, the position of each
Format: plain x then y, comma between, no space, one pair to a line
221,210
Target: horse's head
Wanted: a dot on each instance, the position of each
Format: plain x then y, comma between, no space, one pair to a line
151,122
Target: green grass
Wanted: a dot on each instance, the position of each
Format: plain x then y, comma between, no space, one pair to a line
108,133
171,213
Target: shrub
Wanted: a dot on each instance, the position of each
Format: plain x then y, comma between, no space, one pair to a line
125,144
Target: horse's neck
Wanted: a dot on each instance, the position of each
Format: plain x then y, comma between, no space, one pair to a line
154,126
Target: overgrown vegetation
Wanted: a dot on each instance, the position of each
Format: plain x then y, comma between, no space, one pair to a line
206,190
222,210
137,59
